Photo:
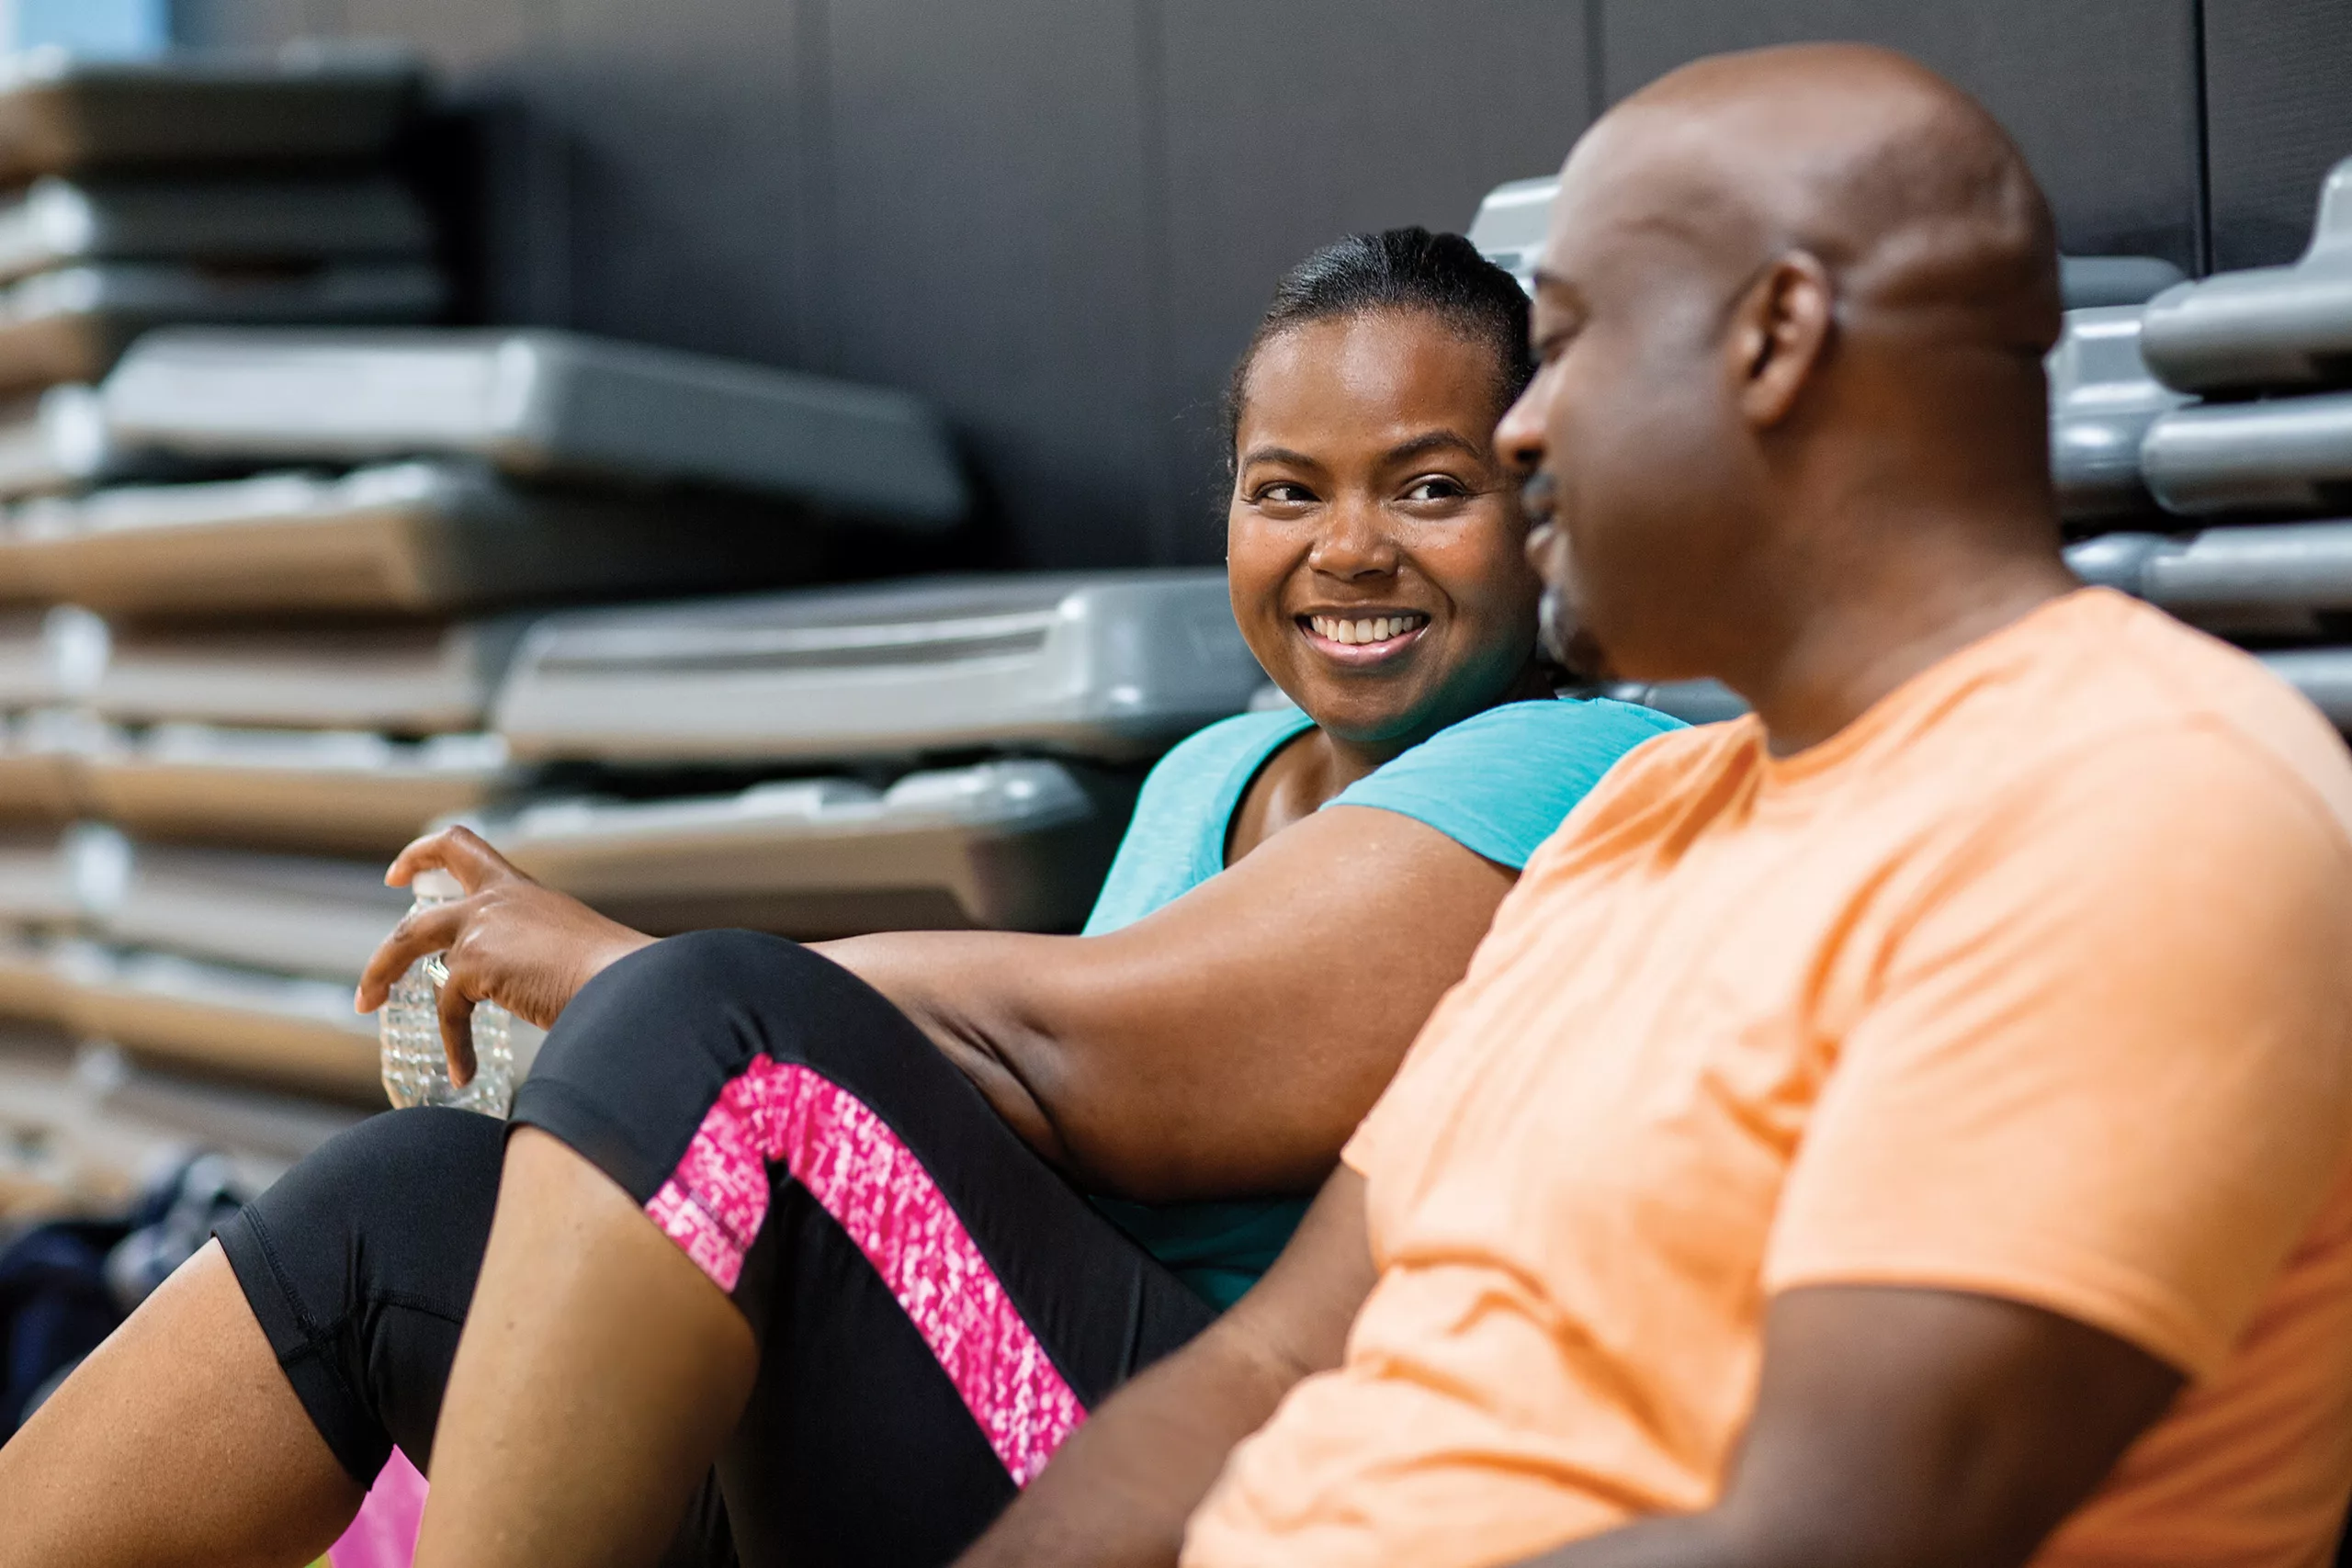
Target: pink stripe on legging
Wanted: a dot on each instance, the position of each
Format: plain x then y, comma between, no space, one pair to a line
875,1188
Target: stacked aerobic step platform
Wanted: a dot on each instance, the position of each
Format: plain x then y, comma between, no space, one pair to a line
2201,438
942,753
261,579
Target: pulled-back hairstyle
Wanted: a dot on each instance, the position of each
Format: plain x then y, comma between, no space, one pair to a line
1397,269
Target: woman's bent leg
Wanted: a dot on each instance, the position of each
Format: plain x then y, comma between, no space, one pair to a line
177,1442
240,1415
359,1266
933,1308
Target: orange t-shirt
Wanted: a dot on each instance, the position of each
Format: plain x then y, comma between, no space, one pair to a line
2034,981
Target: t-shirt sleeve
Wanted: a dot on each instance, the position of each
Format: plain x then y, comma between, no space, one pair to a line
1499,782
1176,836
2105,1067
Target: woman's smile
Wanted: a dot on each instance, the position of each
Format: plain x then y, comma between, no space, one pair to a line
1360,639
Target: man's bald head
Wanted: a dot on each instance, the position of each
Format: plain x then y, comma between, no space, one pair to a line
1792,310
1902,185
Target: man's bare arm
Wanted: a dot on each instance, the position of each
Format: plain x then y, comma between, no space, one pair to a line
1930,1428
1118,1494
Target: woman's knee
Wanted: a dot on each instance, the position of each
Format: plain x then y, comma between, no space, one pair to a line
700,970
718,996
406,1181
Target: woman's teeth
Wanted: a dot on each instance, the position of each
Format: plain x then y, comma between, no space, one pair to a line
1379,628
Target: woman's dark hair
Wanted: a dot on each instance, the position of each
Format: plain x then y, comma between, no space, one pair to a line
1397,269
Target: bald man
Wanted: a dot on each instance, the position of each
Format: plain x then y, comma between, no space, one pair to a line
1909,1125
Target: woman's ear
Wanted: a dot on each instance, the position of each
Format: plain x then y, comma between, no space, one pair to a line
1779,334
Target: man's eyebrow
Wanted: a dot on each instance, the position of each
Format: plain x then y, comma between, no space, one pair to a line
1556,293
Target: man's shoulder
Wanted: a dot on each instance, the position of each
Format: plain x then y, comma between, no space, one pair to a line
2138,689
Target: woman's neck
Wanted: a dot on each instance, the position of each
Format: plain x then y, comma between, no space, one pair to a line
1315,766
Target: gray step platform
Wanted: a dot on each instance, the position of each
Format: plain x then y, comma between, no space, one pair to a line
2102,400
49,656
30,990
1692,701
296,914
1510,222
56,440
419,537
331,792
1017,845
39,886
2265,329
2322,674
58,223
289,1029
2251,581
1112,665
73,324
543,403
2281,454
43,1107
414,679
94,1123
263,1132
40,763
61,113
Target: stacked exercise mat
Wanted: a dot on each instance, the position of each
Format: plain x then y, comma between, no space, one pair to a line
946,753
2207,442
269,571
2200,440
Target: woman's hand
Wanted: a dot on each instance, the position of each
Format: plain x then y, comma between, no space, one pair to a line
509,941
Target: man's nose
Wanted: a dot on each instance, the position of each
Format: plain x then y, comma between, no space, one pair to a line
1519,439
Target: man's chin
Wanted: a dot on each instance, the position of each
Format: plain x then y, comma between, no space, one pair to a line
1568,642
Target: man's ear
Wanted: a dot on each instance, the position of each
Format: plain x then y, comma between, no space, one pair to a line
1779,334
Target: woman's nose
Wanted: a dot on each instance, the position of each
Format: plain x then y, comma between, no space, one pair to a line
1354,541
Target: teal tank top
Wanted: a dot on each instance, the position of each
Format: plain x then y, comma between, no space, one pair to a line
1497,783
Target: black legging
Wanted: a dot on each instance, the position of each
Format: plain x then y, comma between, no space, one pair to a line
935,1307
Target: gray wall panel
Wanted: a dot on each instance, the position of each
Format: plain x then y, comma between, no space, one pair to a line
2102,94
680,174
1059,218
2278,84
1290,125
990,248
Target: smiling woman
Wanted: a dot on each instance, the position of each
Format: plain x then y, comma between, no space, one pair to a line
788,1236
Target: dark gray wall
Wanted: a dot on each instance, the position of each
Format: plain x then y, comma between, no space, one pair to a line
1059,218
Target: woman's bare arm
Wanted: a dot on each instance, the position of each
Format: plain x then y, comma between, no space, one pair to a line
1226,1044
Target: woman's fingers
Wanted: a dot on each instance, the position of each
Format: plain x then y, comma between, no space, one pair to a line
456,1030
420,932
460,851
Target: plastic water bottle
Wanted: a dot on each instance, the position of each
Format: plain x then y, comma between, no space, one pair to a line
416,1068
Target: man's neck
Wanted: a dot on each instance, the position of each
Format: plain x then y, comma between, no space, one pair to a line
1868,633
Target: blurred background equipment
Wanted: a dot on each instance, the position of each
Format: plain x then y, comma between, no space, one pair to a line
276,525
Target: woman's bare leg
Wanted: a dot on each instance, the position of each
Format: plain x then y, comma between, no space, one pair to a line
597,1376
177,1442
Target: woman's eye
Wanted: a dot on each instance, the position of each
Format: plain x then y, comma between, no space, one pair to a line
1283,493
1436,488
